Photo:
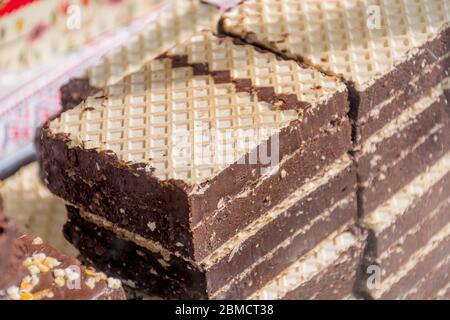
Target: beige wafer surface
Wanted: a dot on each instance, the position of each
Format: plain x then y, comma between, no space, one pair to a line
186,116
176,22
36,211
360,39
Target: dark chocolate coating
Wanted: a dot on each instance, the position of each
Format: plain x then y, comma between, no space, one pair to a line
76,91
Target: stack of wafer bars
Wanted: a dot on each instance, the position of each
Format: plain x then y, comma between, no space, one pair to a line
216,171
395,58
33,270
227,167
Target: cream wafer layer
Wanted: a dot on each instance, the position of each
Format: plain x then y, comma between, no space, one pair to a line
418,256
322,256
360,39
405,118
387,213
188,126
36,211
176,23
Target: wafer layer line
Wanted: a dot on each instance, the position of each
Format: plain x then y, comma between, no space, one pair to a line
273,251
415,290
387,212
403,155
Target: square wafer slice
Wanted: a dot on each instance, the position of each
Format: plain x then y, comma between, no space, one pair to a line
212,129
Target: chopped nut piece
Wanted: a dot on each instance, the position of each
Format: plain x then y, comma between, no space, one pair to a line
51,262
47,293
60,281
114,283
28,262
26,285
59,273
43,268
37,241
71,275
151,226
33,269
90,283
13,292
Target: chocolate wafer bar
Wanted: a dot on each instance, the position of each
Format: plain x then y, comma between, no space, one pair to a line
36,271
177,22
171,157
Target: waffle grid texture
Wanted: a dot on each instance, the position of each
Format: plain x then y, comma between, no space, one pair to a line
359,39
176,22
186,124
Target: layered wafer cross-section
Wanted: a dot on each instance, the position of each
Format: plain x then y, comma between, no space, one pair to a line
327,271
176,22
402,232
215,152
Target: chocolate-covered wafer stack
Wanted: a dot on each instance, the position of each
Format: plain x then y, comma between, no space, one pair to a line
394,58
218,170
